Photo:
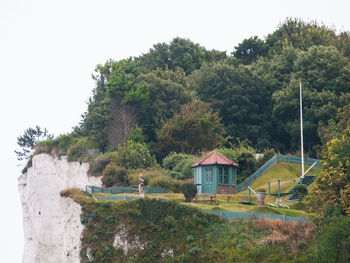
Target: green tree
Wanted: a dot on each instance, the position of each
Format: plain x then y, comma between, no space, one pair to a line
29,140
241,99
96,120
166,91
300,35
249,50
322,71
192,130
333,185
180,53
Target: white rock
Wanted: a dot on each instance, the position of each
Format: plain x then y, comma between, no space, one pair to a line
52,227
121,241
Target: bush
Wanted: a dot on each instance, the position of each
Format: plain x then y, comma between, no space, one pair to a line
189,190
113,175
166,182
247,165
184,167
332,244
83,149
99,163
133,155
268,154
58,146
173,159
45,147
232,154
301,190
64,142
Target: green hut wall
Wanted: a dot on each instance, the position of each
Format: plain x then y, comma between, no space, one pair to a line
209,179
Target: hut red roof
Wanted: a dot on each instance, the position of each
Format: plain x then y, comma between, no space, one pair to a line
214,158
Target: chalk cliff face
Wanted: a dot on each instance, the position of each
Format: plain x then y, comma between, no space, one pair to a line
52,227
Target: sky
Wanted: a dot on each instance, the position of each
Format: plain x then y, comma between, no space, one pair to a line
49,49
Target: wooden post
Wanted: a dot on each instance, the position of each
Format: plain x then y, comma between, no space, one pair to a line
269,187
248,195
279,188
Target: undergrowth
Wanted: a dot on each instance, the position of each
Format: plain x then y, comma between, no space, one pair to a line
159,231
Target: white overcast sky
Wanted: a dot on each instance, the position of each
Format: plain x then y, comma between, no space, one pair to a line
49,49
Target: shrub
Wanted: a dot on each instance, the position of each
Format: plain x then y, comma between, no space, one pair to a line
166,182
28,165
232,154
133,155
268,154
64,142
247,165
184,169
301,190
189,190
332,243
284,233
99,163
113,175
173,159
45,147
136,135
57,146
83,149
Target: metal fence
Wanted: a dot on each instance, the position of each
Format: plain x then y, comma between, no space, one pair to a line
297,159
248,181
275,159
251,215
123,197
123,190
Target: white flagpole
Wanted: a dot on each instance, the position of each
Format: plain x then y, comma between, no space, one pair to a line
301,133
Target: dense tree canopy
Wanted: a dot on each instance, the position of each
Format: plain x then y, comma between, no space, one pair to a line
180,53
240,98
255,91
192,130
249,50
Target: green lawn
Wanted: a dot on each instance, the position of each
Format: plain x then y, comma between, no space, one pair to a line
277,171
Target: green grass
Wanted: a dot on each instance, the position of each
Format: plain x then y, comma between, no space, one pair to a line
278,171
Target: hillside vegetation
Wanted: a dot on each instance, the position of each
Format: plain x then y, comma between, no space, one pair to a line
170,232
160,112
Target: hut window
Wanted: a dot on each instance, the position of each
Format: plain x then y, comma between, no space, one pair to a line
223,175
220,175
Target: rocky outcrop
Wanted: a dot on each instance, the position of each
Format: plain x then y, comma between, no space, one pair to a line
52,227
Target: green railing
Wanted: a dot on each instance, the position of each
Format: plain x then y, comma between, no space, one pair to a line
251,215
275,159
123,197
123,190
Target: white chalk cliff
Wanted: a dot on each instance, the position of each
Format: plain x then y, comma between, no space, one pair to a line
52,227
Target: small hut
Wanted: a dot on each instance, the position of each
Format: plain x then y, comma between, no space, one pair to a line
215,174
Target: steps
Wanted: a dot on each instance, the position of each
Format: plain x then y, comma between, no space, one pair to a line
307,180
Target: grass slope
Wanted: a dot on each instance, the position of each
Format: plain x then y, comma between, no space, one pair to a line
172,232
